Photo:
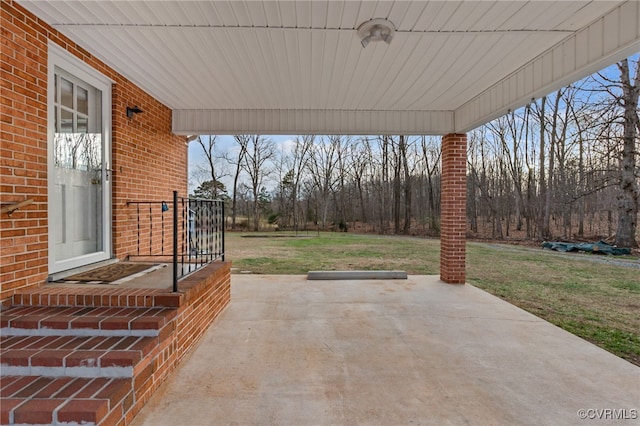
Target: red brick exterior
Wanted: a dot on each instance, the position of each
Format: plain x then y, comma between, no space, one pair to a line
148,161
206,293
453,208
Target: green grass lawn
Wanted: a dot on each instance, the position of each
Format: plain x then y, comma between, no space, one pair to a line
331,251
599,302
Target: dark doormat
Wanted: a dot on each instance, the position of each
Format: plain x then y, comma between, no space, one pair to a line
110,273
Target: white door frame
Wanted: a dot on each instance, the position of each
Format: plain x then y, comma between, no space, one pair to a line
60,58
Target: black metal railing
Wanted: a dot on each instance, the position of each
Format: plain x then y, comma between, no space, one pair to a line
188,232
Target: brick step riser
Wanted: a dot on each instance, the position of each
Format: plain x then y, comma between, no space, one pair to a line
116,298
77,332
85,372
87,367
107,362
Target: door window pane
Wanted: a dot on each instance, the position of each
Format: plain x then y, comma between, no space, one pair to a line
78,135
83,124
66,93
66,121
83,101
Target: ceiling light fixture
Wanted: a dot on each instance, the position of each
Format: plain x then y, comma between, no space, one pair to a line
376,30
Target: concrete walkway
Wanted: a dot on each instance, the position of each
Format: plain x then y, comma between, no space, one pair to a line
293,352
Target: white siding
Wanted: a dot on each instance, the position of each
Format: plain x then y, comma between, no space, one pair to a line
315,122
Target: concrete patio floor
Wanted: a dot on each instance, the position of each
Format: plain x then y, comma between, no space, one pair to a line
296,352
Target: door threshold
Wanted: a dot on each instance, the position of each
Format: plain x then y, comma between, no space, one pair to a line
63,274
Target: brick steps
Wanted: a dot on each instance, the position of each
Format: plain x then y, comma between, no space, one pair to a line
54,356
77,321
78,296
78,364
50,331
44,400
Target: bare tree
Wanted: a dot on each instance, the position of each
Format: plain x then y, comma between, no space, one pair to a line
323,163
284,189
543,212
259,152
302,150
212,169
405,148
359,163
628,199
384,204
396,152
431,154
487,175
294,166
237,161
509,128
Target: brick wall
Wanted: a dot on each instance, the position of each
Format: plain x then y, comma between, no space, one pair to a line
147,160
23,150
453,209
206,293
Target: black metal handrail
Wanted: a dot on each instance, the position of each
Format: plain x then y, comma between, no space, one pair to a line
196,232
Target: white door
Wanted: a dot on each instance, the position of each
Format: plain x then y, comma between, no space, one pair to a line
79,179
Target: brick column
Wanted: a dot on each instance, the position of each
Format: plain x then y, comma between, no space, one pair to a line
453,222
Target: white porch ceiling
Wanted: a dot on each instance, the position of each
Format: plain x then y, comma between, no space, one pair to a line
294,67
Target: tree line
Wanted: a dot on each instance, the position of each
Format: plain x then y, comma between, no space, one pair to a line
562,167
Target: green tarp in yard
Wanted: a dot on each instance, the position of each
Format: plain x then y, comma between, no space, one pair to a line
599,247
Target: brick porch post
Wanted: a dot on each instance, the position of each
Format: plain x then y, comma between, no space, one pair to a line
453,222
